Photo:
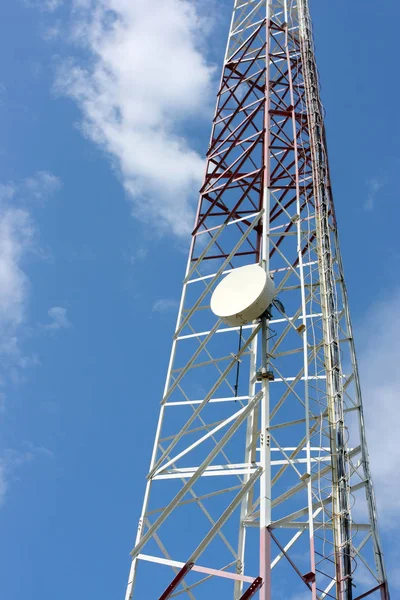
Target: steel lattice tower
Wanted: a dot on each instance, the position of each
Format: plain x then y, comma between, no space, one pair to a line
259,483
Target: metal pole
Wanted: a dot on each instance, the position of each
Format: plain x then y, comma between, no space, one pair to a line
265,441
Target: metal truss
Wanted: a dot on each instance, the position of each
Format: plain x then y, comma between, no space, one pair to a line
259,481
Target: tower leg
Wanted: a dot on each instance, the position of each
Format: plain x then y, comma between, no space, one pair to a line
265,459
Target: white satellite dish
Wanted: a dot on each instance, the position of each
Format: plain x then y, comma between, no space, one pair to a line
243,296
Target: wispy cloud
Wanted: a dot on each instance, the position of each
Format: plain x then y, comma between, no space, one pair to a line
374,186
58,318
52,5
11,460
41,185
379,359
3,482
146,76
49,6
52,32
138,255
164,305
17,240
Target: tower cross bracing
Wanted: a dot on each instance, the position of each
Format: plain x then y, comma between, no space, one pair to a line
259,483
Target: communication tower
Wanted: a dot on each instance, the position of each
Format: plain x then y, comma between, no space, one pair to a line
259,483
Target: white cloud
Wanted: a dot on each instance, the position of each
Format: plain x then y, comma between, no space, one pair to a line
49,6
394,571
164,305
16,236
52,33
7,191
11,460
17,240
147,76
374,186
59,319
379,341
138,255
52,5
3,483
42,184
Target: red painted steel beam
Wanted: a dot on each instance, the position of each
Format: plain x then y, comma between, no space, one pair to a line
382,586
176,581
232,67
237,164
227,171
253,589
232,116
230,213
225,255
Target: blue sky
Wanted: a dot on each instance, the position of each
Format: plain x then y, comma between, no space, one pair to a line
92,257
